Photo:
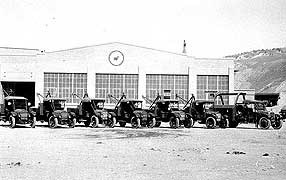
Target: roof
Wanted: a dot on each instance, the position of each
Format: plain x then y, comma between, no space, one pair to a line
62,99
15,97
204,101
227,93
92,99
253,101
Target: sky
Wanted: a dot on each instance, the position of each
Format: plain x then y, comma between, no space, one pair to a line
211,28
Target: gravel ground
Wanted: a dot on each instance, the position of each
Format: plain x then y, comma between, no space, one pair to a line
126,153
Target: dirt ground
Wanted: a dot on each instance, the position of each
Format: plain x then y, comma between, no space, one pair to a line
158,153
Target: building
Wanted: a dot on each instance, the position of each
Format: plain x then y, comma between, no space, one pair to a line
112,68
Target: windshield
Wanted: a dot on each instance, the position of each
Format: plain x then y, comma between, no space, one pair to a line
59,104
20,104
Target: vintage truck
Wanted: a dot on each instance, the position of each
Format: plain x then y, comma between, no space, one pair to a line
202,111
52,110
131,111
168,110
15,110
91,112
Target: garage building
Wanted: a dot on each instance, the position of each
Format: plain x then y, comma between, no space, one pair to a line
112,68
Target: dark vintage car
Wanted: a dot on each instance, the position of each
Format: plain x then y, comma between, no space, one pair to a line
131,111
283,112
15,110
91,112
168,110
255,111
52,110
202,111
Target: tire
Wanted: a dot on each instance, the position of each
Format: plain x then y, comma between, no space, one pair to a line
87,123
174,122
277,124
112,122
12,121
122,124
224,123
94,121
135,122
158,123
53,122
264,123
210,122
151,122
33,124
188,122
72,123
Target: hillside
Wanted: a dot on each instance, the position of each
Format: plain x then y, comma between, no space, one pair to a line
263,70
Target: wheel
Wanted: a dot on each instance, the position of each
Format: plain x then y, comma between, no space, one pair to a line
135,122
210,122
53,122
12,121
174,122
112,122
151,122
224,123
94,121
33,124
277,124
86,123
158,123
122,124
72,123
264,123
188,122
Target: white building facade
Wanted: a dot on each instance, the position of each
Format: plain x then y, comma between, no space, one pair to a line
112,68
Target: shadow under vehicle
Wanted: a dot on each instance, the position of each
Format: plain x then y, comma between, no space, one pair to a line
168,110
91,111
202,111
52,110
15,110
256,112
130,111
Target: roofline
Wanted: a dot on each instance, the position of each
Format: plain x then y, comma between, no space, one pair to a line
127,44
31,49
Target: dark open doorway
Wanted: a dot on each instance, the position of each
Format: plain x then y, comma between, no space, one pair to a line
25,89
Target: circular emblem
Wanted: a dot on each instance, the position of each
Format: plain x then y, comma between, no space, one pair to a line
116,58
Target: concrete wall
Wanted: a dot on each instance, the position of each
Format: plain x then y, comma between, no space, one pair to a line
94,59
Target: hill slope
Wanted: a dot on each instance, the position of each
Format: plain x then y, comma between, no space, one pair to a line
262,70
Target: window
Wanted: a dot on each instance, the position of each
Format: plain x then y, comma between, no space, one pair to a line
211,83
157,83
62,85
116,84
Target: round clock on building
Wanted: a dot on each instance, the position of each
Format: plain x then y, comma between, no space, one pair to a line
116,58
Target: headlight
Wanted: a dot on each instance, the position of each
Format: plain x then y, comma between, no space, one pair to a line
60,116
109,116
19,115
69,116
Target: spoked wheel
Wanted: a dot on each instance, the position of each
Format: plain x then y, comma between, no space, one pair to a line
188,122
224,123
111,122
151,122
94,121
174,122
277,124
72,123
33,123
53,122
210,123
12,121
264,123
135,122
